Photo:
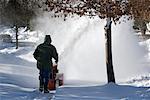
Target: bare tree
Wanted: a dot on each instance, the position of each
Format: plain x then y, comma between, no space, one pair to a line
17,13
2,6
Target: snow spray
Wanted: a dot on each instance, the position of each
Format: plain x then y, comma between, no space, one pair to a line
80,42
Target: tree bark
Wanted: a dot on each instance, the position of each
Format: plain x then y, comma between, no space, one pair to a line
108,46
16,28
143,28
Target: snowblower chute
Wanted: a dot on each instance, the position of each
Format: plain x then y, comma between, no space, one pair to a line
56,79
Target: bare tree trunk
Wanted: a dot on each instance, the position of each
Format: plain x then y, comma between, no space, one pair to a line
143,32
16,28
109,62
143,28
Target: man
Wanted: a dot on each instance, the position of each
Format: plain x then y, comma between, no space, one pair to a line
44,54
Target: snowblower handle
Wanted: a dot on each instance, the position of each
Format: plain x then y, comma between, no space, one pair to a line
55,69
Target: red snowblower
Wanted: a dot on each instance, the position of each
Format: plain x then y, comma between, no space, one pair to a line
56,79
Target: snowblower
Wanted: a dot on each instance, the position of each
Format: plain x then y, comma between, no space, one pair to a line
56,79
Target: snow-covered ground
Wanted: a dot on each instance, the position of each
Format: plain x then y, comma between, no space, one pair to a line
19,78
104,92
19,81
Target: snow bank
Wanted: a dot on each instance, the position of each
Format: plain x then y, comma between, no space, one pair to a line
105,92
23,34
140,81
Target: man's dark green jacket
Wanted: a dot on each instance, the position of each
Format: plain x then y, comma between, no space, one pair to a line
44,54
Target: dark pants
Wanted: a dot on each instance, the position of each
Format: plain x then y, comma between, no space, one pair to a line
44,78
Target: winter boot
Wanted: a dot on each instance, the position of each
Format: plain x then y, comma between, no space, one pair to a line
45,89
41,87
